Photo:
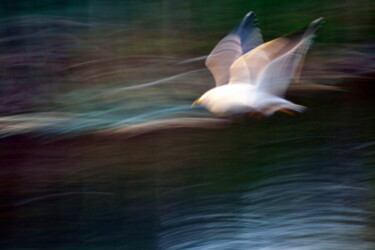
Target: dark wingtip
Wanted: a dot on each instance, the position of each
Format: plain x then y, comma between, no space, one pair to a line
318,21
249,18
249,14
314,25
307,30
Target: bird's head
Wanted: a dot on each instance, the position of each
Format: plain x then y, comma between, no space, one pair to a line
203,101
196,102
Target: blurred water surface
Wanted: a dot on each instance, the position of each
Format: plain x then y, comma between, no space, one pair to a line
100,148
288,182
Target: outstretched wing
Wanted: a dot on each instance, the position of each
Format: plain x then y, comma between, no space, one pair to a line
271,66
244,37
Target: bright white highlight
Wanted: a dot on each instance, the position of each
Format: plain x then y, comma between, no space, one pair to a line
252,76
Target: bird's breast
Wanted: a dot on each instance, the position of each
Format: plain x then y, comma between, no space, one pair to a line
228,99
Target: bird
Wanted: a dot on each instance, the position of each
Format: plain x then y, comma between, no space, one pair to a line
252,76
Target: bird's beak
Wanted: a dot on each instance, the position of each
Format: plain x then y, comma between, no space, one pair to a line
195,102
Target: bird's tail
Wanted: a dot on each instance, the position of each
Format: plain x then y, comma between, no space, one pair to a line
288,108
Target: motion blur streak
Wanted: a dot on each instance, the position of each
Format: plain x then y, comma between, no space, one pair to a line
65,68
101,149
321,208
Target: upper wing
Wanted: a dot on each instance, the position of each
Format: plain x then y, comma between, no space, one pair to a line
272,65
249,33
244,37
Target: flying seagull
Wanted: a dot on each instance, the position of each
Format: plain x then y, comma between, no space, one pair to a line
252,76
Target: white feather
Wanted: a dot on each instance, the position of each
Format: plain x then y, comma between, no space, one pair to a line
257,80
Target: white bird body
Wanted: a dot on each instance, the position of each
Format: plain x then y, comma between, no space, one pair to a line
252,76
240,98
